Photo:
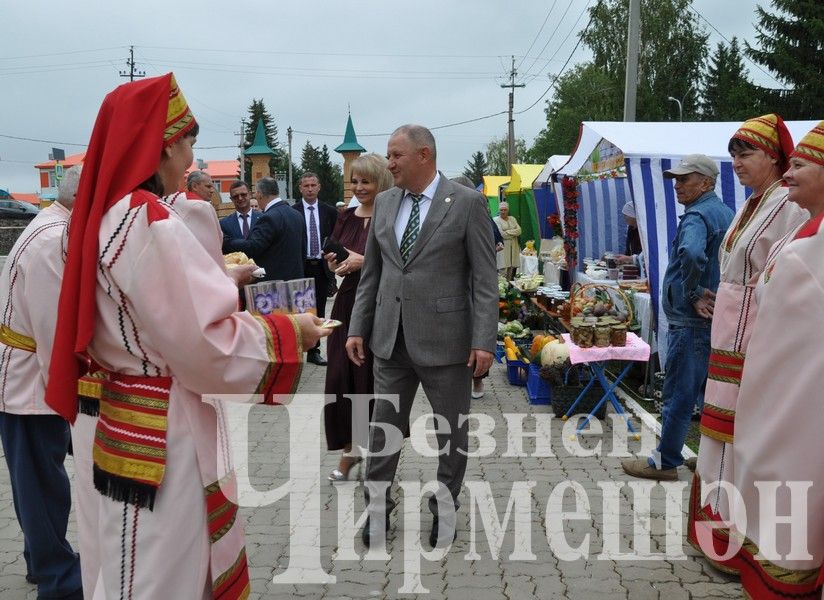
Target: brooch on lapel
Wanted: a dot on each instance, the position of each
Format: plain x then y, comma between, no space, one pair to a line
447,199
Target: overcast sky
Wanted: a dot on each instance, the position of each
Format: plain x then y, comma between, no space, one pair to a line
426,62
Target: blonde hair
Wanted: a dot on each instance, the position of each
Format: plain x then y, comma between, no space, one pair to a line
375,168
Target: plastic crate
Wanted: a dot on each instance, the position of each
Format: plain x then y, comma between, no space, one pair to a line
499,352
517,372
537,390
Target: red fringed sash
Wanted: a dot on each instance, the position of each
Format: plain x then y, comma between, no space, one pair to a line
130,441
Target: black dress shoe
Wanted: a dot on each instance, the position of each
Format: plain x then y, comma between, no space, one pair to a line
433,535
365,535
315,358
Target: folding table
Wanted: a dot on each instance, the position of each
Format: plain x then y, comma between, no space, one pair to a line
595,359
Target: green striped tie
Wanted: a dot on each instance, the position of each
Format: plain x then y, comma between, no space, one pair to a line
410,234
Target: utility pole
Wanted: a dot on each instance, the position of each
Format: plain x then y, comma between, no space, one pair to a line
633,42
131,73
241,144
289,158
511,85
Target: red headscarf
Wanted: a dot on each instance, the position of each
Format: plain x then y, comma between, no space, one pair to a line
136,121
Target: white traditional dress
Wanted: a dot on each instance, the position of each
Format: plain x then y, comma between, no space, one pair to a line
509,257
201,219
779,423
31,277
166,332
743,255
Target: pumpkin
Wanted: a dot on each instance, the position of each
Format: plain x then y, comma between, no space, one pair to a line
554,353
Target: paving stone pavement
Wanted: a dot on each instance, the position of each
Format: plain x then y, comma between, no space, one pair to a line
587,557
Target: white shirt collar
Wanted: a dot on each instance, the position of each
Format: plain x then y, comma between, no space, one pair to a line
272,202
429,191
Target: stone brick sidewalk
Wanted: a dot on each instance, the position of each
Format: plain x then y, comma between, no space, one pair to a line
468,570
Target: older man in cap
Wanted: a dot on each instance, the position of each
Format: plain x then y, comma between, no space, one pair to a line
688,294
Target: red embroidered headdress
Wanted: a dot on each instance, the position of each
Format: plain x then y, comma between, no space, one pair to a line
769,133
136,121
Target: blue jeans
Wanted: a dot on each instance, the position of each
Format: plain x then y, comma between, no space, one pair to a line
35,448
686,376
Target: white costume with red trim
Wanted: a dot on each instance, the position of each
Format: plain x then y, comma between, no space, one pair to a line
779,421
743,256
166,309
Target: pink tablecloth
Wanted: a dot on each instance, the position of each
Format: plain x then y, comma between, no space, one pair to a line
636,349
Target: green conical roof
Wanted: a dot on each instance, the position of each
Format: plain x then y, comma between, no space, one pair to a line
350,140
259,146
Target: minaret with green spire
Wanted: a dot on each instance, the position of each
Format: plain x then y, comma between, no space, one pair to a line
350,149
260,153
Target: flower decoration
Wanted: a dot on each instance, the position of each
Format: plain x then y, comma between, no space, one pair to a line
571,194
554,222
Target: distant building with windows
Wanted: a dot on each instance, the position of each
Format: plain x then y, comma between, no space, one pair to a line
222,172
48,177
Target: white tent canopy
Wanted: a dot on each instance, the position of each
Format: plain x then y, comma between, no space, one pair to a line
662,139
553,165
632,158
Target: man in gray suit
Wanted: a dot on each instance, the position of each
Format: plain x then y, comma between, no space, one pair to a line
427,305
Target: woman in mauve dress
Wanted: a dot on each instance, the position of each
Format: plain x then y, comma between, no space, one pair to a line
369,177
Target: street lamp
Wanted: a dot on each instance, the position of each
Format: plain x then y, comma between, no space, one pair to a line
680,108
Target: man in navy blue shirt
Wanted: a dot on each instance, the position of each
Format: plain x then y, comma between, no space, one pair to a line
688,299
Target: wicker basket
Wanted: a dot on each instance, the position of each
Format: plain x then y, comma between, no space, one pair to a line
611,294
578,291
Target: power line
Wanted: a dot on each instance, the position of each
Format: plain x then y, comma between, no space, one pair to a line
315,75
301,69
563,41
551,35
569,58
347,54
445,126
60,53
537,35
752,62
25,139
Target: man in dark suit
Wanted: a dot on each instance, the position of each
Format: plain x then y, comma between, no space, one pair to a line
319,220
427,306
238,225
276,241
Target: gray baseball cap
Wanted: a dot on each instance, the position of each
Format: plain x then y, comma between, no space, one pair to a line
694,163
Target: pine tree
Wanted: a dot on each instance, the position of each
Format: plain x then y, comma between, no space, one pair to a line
257,111
728,94
476,168
791,45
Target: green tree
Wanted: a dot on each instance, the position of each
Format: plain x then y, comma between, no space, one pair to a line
476,168
728,94
673,50
497,155
330,176
257,111
791,45
586,93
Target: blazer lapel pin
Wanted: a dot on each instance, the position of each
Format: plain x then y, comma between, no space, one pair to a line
447,199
